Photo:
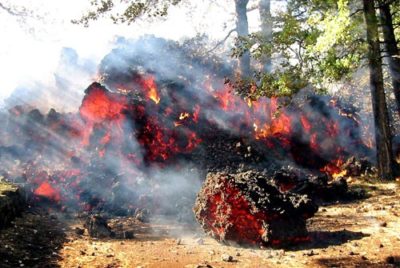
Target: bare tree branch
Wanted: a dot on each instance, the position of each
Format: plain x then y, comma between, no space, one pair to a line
222,41
252,8
360,10
10,11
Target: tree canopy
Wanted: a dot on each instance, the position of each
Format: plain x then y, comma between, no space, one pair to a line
126,11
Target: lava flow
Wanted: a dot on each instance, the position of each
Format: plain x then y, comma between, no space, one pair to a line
143,126
137,131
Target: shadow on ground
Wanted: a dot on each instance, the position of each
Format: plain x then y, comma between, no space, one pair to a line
324,239
32,240
358,261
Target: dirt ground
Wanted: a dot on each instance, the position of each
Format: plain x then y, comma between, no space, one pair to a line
362,233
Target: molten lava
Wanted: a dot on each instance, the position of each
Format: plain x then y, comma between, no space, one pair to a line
46,190
100,105
244,209
136,125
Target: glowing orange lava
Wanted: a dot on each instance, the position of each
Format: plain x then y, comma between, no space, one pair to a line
46,190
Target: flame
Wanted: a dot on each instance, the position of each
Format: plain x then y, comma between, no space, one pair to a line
255,128
152,92
340,174
183,116
334,169
279,126
249,102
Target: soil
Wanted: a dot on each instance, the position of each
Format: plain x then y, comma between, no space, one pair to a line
361,233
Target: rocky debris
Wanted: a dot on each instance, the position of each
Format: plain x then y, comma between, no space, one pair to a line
12,203
310,253
226,258
296,180
358,167
203,265
97,227
224,151
391,260
79,231
246,208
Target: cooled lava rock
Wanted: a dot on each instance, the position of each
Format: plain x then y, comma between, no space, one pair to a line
246,209
316,184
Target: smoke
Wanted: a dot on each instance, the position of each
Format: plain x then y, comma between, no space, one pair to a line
165,118
63,89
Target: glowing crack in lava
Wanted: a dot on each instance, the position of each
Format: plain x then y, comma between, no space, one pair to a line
245,209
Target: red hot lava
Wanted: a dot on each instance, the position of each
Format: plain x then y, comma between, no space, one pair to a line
244,209
138,125
102,107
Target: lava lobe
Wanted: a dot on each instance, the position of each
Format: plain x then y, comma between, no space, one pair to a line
247,209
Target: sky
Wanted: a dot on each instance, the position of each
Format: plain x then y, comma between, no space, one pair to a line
30,51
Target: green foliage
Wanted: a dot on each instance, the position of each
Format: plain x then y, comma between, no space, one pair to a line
314,43
396,18
126,11
282,83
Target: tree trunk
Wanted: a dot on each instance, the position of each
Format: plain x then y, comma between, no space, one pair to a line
384,155
391,49
266,31
242,27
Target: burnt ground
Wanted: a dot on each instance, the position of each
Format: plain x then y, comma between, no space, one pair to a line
362,233
33,240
